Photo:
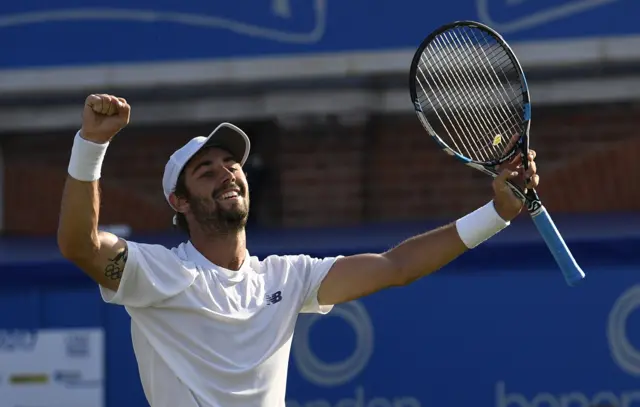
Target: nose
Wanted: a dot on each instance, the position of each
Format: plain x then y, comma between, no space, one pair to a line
227,175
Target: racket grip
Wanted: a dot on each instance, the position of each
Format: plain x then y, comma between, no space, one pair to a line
571,271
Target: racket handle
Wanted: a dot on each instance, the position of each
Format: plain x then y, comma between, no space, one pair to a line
571,271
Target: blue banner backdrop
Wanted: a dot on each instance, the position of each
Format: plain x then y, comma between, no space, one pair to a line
38,33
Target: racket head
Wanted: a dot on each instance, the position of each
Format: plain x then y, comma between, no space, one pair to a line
470,93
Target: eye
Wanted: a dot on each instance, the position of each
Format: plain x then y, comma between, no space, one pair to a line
207,174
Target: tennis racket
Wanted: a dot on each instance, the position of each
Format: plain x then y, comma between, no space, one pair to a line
471,96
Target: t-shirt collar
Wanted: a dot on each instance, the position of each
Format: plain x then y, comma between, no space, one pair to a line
194,255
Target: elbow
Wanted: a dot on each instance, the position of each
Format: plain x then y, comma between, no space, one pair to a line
405,271
400,276
402,273
67,249
75,250
403,278
65,245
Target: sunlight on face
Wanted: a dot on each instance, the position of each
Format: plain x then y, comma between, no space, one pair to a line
218,191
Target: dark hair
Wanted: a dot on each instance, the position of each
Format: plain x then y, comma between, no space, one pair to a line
181,191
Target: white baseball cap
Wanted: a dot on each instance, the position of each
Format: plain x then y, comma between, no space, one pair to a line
226,136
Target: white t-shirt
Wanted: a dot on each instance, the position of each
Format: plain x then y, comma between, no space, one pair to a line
205,336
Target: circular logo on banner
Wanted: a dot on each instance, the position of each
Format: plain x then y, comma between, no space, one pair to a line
329,374
623,352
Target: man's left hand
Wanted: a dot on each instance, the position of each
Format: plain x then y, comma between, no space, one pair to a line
507,204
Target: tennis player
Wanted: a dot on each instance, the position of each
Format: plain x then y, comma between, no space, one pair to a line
211,324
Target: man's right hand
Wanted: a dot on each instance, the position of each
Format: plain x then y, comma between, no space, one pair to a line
103,117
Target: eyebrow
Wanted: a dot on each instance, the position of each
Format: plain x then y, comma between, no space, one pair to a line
209,162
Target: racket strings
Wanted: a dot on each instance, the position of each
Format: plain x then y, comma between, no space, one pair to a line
440,67
490,76
473,121
458,125
466,79
482,124
504,60
481,81
484,78
460,122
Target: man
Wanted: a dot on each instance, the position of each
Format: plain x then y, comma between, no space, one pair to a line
212,325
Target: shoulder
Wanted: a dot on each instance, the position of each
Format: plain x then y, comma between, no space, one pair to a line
156,248
152,273
300,264
158,254
282,262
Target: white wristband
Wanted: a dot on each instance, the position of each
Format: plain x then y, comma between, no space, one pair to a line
86,159
480,225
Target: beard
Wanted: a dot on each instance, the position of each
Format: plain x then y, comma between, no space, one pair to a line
219,219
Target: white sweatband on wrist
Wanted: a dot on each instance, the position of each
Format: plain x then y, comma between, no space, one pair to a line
86,159
480,225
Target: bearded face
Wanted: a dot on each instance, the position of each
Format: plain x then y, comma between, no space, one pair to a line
216,195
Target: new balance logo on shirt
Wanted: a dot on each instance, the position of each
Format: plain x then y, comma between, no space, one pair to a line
274,298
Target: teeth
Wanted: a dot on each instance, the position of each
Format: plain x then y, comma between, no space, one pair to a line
228,195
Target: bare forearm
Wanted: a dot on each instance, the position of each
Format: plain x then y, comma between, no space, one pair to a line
79,213
426,253
353,277
356,276
100,254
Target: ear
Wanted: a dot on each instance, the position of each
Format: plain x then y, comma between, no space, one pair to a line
179,204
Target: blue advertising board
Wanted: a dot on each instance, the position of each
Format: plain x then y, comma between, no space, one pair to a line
498,327
40,33
488,338
498,339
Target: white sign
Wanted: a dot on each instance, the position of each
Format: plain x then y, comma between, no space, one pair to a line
52,368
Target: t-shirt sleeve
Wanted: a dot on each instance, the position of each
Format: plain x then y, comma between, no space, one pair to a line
151,274
312,271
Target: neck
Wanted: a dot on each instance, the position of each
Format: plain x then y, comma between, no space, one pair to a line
225,250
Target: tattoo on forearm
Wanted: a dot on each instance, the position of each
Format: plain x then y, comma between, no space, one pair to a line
115,267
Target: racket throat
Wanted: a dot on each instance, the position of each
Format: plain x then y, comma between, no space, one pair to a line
534,205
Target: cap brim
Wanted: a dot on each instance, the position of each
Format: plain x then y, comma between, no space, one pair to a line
231,138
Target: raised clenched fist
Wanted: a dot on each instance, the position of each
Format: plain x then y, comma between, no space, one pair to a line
103,117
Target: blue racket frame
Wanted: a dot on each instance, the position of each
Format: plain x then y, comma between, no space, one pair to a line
569,267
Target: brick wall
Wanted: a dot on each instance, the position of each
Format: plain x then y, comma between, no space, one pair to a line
321,176
334,175
131,186
392,171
